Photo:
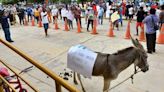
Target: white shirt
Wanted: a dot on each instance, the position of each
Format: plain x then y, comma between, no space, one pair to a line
44,17
54,12
64,12
70,16
146,9
158,12
130,10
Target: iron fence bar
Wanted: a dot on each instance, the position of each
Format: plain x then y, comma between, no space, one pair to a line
41,67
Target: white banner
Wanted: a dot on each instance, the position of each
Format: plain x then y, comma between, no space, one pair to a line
81,60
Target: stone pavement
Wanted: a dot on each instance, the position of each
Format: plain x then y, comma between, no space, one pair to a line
52,52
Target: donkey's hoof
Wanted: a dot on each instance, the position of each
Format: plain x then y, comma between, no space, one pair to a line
75,82
84,90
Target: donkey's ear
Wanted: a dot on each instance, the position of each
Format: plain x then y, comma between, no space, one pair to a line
134,41
139,45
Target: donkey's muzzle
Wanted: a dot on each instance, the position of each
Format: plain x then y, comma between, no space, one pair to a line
145,69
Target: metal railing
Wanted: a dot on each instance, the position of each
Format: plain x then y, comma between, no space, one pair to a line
58,80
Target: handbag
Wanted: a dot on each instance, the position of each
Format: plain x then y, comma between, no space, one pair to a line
155,26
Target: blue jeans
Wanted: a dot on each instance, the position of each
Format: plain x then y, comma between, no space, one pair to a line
100,19
7,34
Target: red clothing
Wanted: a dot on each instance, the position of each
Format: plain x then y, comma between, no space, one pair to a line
139,24
95,9
123,8
154,6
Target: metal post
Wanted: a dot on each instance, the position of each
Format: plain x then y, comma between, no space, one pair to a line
58,87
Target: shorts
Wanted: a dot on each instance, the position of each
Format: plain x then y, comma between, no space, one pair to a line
45,26
130,16
139,24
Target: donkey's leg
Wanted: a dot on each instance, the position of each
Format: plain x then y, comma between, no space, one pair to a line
106,85
74,78
78,75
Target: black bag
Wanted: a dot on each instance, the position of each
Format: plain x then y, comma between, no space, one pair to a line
155,26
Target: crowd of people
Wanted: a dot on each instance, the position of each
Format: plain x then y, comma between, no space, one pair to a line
150,14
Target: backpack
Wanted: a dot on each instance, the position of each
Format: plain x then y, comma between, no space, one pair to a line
155,26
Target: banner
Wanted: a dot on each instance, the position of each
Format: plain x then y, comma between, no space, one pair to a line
81,60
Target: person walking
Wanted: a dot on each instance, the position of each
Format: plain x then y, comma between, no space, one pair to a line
70,18
36,14
29,13
151,21
21,15
100,15
140,17
5,26
77,15
90,17
64,13
131,12
45,21
54,13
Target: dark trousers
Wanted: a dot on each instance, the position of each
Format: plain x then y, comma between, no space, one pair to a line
151,42
100,19
65,19
7,34
29,16
70,23
37,19
21,19
89,22
79,21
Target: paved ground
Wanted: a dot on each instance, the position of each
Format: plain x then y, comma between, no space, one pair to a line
52,52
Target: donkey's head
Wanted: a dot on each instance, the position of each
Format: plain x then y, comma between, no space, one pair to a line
142,56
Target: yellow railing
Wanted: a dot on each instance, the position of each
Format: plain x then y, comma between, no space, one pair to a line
58,80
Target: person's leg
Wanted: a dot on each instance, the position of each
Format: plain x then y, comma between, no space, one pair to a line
31,16
80,22
101,20
46,29
71,24
22,18
54,19
76,21
20,21
117,26
154,42
149,43
64,19
37,18
92,23
28,16
7,34
86,17
88,25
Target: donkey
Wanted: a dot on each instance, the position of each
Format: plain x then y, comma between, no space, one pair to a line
110,65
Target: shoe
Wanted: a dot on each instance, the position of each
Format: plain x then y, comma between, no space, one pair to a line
150,52
154,51
11,41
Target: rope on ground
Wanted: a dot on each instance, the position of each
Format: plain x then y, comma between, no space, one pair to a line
130,77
